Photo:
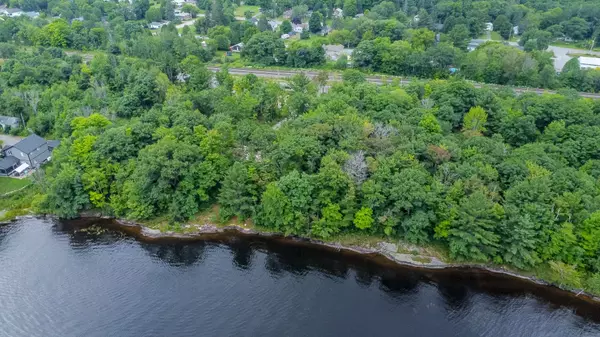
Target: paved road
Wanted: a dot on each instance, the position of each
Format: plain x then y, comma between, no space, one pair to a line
283,74
9,140
188,22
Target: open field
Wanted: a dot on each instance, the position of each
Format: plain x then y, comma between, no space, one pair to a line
240,10
12,184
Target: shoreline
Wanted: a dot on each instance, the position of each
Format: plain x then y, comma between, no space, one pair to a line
383,249
141,232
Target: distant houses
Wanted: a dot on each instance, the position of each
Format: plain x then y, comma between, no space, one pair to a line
11,12
8,122
30,152
16,12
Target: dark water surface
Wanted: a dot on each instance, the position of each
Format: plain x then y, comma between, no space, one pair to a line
56,281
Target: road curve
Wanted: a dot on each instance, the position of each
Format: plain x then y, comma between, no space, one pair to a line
283,74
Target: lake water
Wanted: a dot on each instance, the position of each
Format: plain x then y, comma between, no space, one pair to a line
59,281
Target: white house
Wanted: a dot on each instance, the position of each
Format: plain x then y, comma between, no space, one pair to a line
274,24
489,26
237,48
589,62
182,15
338,13
299,28
11,12
285,36
157,25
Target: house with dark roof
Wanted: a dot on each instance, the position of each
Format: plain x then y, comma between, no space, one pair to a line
53,144
33,151
8,165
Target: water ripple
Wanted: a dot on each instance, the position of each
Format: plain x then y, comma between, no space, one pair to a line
56,282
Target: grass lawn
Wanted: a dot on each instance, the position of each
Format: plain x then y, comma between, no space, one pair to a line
11,184
495,36
572,45
239,11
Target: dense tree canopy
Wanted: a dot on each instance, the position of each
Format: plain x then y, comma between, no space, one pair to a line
149,132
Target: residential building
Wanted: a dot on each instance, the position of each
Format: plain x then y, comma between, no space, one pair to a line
183,16
589,62
285,36
237,48
157,25
334,51
11,12
8,165
32,15
53,144
489,26
274,24
299,28
8,121
338,13
33,151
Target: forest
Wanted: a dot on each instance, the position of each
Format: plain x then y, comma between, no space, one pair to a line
491,176
423,39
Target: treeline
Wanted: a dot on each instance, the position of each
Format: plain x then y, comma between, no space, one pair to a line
391,38
492,176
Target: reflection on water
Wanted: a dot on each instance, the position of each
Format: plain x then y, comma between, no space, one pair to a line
61,280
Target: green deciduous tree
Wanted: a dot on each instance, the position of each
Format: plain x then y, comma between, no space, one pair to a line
315,24
364,218
265,48
503,26
66,196
474,121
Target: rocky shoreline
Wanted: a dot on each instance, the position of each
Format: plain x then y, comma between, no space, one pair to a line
385,249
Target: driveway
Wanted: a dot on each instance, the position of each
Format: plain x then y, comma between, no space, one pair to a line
188,22
561,55
9,140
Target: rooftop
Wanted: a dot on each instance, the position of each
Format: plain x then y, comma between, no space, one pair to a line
53,143
29,144
590,61
8,162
